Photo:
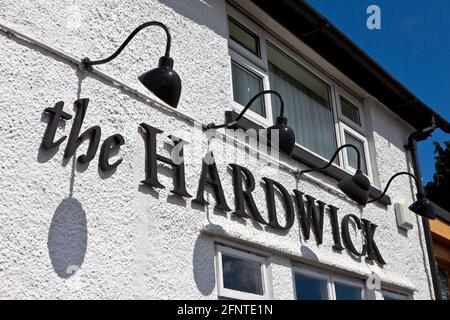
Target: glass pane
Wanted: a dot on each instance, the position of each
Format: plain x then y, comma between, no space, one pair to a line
242,275
308,288
243,36
389,298
346,292
245,86
350,111
352,156
444,284
307,103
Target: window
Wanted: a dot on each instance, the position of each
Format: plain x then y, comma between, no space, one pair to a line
344,291
352,156
444,282
241,275
246,85
389,295
352,132
350,111
307,103
312,285
308,287
243,36
246,275
322,114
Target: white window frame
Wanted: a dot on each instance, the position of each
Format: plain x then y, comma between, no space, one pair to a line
330,280
356,103
310,68
239,295
237,107
349,282
255,64
256,30
260,66
346,129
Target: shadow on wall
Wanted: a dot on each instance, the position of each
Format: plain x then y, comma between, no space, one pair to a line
67,238
199,11
67,235
203,265
308,254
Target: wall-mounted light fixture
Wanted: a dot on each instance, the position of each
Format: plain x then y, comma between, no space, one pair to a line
423,207
162,81
286,135
356,187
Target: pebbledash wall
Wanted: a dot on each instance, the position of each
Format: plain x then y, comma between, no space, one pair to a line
73,231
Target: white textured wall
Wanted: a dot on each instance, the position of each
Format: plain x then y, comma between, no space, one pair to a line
132,242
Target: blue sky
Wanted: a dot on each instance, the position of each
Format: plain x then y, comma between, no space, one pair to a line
413,45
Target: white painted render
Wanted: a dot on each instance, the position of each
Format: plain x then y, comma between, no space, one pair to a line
123,239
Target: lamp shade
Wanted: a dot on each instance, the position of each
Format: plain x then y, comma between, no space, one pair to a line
423,207
356,188
286,136
163,82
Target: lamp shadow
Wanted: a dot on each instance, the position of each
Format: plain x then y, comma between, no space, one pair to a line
203,266
67,238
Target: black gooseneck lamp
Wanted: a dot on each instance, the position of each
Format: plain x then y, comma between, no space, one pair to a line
422,207
162,81
356,187
286,135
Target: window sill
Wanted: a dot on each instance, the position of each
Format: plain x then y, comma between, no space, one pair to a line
308,158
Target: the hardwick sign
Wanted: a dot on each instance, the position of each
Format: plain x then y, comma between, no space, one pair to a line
309,210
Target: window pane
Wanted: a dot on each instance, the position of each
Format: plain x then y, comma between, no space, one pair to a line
346,292
352,156
307,103
308,288
243,36
350,111
242,275
444,284
245,86
393,296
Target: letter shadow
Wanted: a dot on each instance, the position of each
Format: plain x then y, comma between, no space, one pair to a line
109,173
308,254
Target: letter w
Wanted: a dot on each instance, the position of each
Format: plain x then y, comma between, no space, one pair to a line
310,215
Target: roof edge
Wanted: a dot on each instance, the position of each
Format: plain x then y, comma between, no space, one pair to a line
324,31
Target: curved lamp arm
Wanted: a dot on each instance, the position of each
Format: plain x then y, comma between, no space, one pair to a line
419,195
334,157
87,63
214,126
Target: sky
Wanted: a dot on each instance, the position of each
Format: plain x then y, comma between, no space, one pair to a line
413,45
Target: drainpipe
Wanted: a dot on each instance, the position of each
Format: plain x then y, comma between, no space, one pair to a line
412,147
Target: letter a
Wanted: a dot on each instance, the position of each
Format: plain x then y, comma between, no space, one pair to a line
374,21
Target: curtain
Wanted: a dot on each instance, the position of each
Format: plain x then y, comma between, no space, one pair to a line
309,115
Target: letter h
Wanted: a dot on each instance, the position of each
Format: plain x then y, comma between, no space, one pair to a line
75,139
151,158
